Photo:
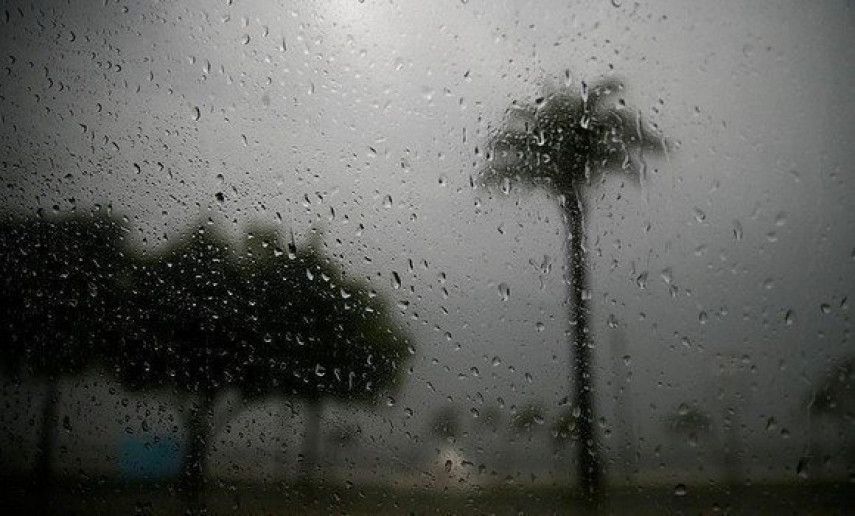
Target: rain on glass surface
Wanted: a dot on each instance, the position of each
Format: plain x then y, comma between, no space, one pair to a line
393,257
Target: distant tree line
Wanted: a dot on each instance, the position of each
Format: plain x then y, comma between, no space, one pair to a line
265,318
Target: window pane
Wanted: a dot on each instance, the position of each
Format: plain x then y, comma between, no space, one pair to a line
415,257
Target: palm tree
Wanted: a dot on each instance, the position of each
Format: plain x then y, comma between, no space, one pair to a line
561,142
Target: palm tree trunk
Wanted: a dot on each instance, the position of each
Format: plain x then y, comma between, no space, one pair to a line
44,456
195,449
588,463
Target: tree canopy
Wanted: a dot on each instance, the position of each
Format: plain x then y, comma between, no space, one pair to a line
567,136
262,318
58,294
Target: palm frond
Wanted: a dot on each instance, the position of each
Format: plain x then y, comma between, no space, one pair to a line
567,137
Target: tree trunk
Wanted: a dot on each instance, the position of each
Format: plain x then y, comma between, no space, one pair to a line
44,454
197,434
311,438
588,464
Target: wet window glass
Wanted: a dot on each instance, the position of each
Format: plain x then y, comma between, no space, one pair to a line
405,257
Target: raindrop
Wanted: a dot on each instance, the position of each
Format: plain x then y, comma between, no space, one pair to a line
802,468
790,317
197,114
771,424
504,291
612,321
680,490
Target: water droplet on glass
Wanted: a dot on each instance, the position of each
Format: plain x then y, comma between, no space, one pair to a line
790,317
641,280
504,291
612,321
802,468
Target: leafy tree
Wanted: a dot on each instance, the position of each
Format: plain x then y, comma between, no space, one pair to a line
184,322
322,335
205,316
58,299
561,142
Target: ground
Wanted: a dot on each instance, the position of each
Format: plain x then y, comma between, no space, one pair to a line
92,496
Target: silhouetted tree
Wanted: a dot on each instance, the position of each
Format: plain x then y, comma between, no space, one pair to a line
204,316
323,335
184,330
58,304
559,143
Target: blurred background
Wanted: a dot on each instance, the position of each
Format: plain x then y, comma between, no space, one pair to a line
413,257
